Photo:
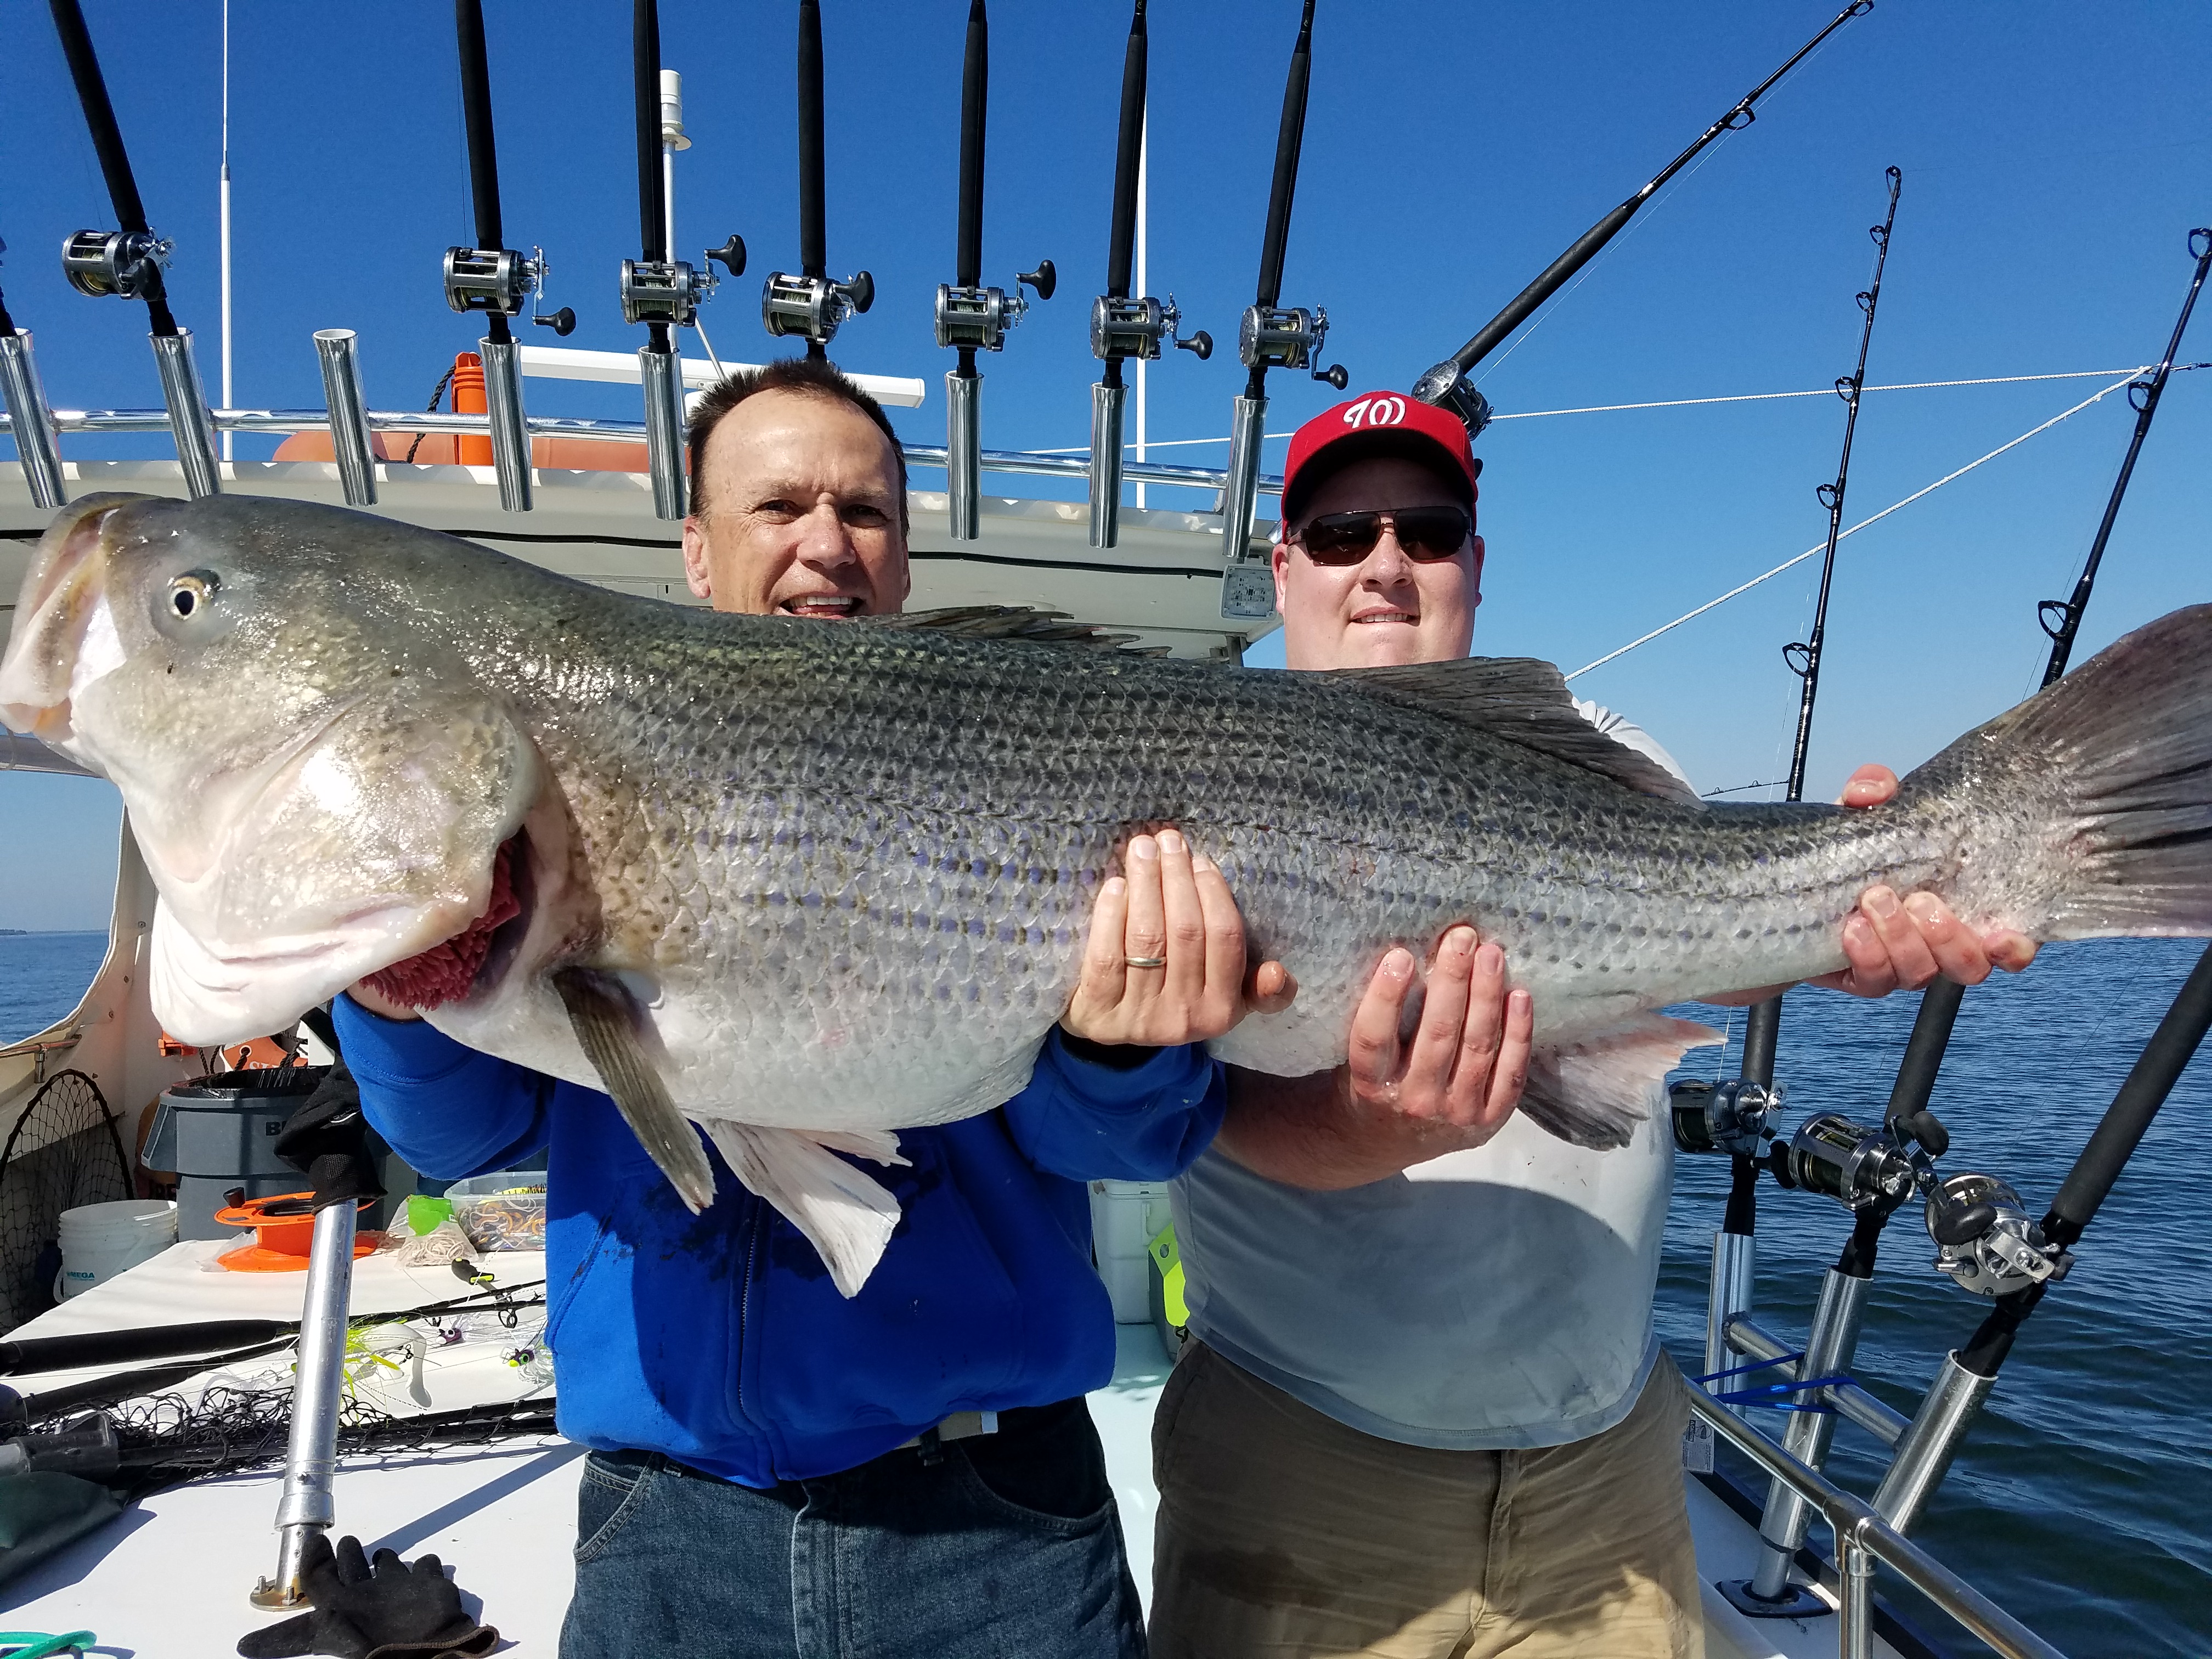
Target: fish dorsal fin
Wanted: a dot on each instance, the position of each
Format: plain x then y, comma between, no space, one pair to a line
1522,700
1013,622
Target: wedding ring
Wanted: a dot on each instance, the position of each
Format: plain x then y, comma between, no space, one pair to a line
1144,962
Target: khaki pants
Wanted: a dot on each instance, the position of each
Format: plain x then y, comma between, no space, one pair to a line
1284,1533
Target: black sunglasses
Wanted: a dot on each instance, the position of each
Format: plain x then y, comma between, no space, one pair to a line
1426,533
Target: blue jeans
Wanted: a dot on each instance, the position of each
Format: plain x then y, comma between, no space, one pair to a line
1002,1547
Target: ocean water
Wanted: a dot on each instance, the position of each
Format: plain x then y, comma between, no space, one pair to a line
42,978
2082,1501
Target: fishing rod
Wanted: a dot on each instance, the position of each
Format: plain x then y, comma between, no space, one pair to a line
1740,1119
1122,328
656,290
1985,1237
29,1354
31,421
810,305
1271,336
1446,385
491,278
2061,621
970,316
128,263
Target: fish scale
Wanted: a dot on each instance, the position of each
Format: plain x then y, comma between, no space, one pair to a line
808,883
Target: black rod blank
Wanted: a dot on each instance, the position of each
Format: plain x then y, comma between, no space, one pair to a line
484,151
107,143
652,200
1290,140
1556,275
55,1354
2069,614
975,95
1120,252
2113,1142
813,246
1831,497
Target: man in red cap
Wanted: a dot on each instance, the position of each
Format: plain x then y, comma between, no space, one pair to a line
1423,1411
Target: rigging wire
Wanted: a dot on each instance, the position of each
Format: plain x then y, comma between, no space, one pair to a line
1693,402
1821,546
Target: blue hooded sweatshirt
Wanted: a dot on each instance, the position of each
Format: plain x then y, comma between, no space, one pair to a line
718,1339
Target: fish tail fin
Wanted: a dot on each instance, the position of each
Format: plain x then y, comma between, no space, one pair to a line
2109,774
1593,1091
848,1217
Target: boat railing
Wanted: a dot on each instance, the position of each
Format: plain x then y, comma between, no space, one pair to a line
1863,1538
286,421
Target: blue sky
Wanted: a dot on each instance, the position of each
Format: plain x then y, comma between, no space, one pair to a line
2055,156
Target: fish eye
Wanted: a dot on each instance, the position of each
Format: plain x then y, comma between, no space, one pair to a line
190,592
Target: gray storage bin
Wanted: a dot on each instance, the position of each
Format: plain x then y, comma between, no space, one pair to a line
221,1132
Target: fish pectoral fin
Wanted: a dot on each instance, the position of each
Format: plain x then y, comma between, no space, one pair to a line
846,1215
1595,1090
609,1025
877,1145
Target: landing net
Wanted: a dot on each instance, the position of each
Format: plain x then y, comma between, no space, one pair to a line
62,1151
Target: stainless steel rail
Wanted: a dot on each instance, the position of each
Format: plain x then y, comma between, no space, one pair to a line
1754,1341
1861,1533
104,421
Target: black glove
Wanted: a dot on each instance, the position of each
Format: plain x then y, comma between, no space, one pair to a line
326,1139
387,1611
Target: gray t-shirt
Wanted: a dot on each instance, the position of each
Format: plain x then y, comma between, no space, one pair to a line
1494,1297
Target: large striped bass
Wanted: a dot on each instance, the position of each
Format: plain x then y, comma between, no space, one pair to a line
806,884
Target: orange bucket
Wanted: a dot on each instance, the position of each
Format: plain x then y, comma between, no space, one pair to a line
281,1243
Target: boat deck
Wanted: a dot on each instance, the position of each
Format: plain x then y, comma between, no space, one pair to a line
170,1576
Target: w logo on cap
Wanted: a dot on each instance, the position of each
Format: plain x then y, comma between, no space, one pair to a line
1388,410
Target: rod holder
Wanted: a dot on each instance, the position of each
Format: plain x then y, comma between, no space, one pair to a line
1106,402
1728,1296
31,422
510,432
190,421
1828,1348
1923,1455
661,374
1248,588
305,1503
339,351
963,454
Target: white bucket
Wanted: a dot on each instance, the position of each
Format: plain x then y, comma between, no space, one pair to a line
1124,1217
98,1241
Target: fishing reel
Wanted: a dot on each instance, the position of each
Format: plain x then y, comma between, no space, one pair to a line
1985,1240
500,281
1134,328
127,264
670,290
813,307
977,318
1287,337
1735,1118
1446,386
1862,1168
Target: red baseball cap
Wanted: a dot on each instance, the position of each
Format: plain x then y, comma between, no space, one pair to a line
1378,423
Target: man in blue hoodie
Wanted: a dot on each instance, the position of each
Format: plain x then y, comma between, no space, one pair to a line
777,1470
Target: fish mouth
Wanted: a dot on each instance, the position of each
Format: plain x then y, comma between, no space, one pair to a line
60,593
